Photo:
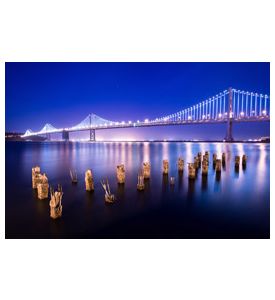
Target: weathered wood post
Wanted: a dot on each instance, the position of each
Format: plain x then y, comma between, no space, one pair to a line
204,169
73,176
218,166
35,176
165,166
205,159
214,158
120,173
237,161
180,164
146,170
140,184
196,163
89,181
55,203
199,158
109,197
244,159
43,187
199,155
223,158
191,171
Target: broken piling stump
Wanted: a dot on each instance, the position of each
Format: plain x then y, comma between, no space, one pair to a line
109,197
55,203
140,184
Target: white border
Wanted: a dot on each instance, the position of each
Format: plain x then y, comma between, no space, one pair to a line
135,31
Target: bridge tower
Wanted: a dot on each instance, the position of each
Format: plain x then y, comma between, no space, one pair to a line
65,135
229,136
92,131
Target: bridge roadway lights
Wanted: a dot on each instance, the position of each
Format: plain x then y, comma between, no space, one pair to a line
92,135
65,135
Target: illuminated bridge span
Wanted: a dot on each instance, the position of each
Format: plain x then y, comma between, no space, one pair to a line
229,106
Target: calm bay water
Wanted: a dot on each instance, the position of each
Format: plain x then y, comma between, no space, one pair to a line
236,205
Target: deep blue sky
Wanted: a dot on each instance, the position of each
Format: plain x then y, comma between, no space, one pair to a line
65,93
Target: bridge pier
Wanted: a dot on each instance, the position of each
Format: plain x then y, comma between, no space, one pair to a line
65,135
48,136
229,135
92,135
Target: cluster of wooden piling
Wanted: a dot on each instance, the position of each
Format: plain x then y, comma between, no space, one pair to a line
40,181
238,159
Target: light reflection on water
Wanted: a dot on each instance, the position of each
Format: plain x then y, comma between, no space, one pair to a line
234,204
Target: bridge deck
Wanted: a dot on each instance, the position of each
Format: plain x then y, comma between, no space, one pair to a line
154,124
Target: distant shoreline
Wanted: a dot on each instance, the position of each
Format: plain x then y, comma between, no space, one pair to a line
150,141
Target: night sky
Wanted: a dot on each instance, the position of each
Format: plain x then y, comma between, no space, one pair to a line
65,93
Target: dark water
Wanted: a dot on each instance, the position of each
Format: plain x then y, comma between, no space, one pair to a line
236,205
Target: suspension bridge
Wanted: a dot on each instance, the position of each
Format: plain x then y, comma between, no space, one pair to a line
228,107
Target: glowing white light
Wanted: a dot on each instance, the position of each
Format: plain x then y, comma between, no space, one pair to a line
264,112
130,122
203,116
242,113
220,115
137,121
122,122
189,118
146,121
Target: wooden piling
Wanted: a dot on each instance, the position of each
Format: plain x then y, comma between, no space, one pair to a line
120,171
89,181
165,166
